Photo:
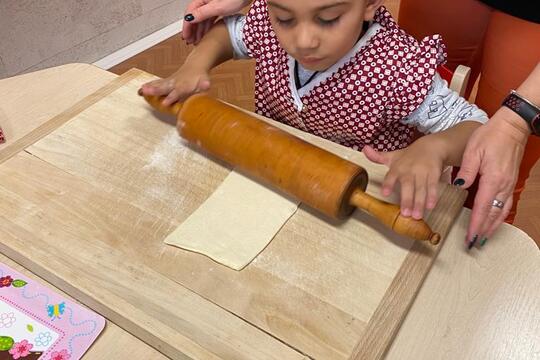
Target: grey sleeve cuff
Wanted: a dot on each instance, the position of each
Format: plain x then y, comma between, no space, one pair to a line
235,26
442,109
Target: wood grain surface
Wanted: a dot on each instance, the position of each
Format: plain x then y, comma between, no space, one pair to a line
87,207
40,124
45,94
173,319
482,304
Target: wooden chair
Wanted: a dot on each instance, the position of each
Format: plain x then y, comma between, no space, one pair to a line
457,79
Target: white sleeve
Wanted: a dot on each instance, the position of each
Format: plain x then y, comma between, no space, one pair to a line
235,26
442,109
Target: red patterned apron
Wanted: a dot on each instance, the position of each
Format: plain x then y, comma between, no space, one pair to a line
364,100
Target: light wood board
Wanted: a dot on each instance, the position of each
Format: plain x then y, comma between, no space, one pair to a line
88,205
43,95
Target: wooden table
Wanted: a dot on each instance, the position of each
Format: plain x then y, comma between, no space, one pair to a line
482,304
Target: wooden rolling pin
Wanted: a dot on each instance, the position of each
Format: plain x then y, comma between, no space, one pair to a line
315,176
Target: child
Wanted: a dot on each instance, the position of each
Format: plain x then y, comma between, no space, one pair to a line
345,71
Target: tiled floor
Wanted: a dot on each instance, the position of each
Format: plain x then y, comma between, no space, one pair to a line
233,82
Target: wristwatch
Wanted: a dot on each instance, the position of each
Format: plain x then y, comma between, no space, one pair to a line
526,109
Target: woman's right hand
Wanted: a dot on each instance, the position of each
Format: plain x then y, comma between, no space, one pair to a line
185,82
203,14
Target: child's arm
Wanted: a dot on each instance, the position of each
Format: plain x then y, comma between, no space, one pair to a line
193,76
453,141
418,168
450,121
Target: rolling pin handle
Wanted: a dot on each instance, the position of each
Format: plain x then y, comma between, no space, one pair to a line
390,215
435,238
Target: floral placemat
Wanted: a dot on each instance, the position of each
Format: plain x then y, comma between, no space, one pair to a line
37,323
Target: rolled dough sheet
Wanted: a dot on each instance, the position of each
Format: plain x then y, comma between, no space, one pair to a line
235,223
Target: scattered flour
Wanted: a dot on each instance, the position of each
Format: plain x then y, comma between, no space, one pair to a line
163,166
171,150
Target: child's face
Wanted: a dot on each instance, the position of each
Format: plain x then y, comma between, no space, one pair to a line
318,33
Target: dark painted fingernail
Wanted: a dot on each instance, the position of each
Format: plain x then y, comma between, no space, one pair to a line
483,242
140,92
189,17
473,241
459,182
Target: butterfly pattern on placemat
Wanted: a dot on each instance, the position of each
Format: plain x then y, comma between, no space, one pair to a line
36,323
54,311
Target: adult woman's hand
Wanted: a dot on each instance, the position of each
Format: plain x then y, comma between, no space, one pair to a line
201,15
494,153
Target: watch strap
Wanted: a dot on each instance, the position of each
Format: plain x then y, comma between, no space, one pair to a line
525,109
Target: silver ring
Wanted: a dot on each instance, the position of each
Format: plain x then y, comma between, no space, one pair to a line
497,203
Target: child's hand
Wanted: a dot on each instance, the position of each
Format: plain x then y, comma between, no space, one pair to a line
417,169
179,86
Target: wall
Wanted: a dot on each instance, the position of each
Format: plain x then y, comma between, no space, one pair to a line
35,34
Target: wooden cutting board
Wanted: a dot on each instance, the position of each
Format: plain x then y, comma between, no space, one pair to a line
88,198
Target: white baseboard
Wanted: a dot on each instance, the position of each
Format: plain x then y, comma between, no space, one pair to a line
139,46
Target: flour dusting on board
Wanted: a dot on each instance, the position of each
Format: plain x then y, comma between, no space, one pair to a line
163,166
300,266
168,152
